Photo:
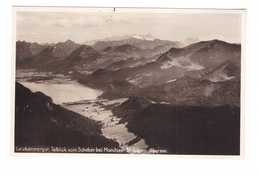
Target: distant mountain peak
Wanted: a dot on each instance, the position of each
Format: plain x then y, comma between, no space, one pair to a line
69,41
148,37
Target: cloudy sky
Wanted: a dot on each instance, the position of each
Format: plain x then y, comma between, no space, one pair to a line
81,25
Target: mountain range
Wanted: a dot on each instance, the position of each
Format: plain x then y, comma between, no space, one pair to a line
157,69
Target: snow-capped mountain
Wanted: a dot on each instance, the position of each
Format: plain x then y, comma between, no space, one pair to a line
148,37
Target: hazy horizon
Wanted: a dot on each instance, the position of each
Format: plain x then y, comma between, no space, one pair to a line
83,26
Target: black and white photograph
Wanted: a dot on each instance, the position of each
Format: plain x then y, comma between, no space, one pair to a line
128,81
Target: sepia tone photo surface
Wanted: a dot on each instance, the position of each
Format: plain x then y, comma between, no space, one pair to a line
127,80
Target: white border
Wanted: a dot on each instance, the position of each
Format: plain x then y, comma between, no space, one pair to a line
136,10
99,166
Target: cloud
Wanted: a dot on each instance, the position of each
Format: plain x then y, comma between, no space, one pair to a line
84,25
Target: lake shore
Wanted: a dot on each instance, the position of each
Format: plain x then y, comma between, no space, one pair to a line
84,100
